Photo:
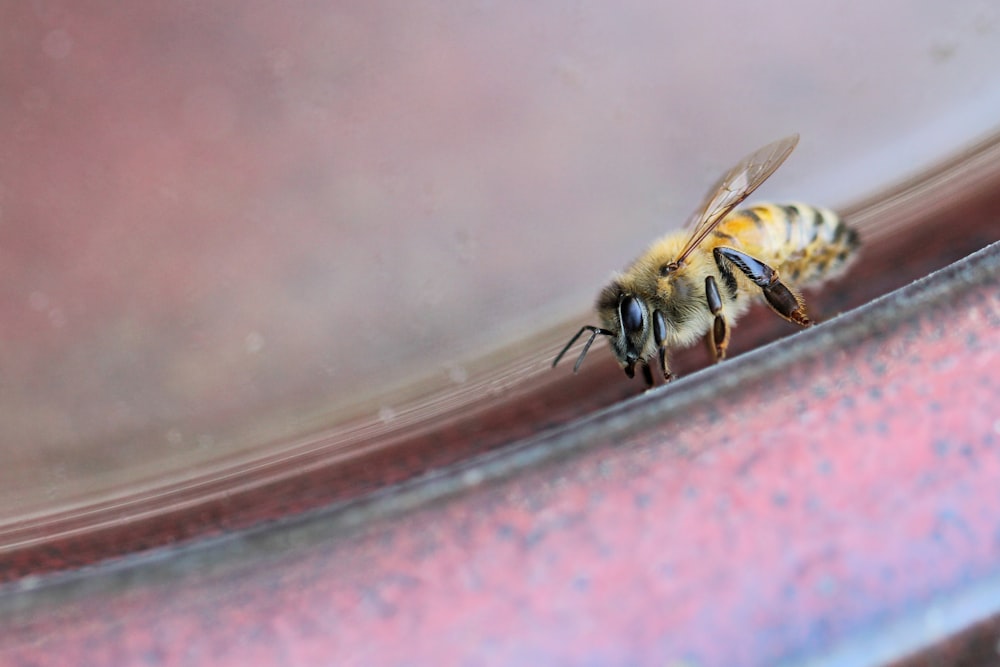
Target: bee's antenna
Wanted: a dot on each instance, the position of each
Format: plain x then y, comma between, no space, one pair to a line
595,332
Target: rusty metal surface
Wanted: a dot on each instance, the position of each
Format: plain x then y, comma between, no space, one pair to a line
807,501
829,499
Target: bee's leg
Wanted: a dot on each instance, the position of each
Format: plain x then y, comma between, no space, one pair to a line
718,335
782,300
667,375
659,336
647,375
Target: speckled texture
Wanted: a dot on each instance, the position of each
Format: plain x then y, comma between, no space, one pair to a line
198,199
771,509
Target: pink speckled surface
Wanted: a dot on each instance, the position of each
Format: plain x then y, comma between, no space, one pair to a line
768,509
228,229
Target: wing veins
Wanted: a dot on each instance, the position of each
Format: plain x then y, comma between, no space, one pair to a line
733,187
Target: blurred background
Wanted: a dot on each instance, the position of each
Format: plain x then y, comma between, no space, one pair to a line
228,226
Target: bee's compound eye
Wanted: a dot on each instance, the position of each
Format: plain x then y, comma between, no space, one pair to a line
631,313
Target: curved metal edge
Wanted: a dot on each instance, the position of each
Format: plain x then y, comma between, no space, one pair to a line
610,424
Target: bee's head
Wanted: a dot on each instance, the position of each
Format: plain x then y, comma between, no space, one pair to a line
635,331
627,316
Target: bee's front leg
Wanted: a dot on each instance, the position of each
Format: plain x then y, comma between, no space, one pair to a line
718,335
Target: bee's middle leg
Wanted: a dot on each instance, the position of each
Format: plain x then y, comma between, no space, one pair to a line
659,336
647,375
718,336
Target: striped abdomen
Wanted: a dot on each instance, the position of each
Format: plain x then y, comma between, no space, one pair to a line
804,243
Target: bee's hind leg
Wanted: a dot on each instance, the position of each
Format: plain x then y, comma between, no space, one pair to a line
782,300
718,336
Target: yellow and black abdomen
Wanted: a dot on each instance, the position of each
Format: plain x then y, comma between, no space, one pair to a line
806,244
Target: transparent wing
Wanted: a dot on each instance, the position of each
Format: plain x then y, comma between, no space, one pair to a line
735,186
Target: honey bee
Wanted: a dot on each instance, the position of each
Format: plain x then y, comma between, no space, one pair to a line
695,283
